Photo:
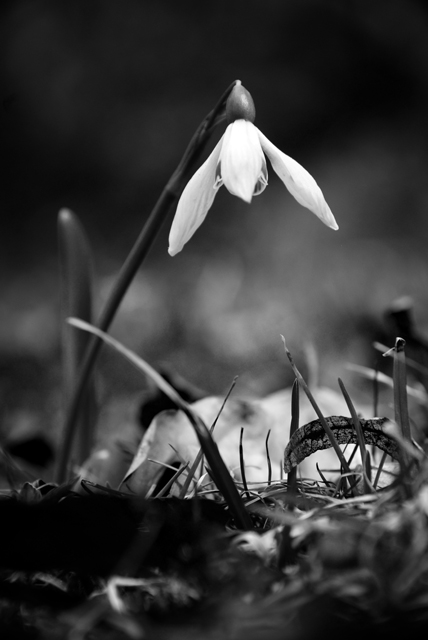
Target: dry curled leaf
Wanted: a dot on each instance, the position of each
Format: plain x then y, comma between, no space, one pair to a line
312,437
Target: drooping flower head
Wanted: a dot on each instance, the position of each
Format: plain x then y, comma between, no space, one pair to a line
238,161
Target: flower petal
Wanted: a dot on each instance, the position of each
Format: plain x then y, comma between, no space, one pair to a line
262,182
298,181
194,203
241,159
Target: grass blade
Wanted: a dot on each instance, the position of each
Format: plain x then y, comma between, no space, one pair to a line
365,459
379,469
401,410
327,483
269,463
295,417
76,275
218,469
242,463
375,391
171,481
198,460
317,410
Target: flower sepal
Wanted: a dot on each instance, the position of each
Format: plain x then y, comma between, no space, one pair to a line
240,105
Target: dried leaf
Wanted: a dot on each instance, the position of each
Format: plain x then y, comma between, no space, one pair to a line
312,437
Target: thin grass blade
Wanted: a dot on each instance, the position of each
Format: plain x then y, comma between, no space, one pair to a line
327,483
269,462
401,410
360,437
375,391
242,463
401,413
368,469
199,457
379,469
171,481
294,425
317,410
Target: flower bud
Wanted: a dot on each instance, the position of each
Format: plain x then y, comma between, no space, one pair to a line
240,105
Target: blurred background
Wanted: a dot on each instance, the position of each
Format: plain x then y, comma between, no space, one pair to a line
98,101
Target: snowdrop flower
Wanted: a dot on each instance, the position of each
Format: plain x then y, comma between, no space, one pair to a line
238,161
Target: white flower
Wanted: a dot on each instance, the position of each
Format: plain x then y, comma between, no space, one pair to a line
238,161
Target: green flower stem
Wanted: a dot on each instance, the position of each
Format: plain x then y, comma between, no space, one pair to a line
167,199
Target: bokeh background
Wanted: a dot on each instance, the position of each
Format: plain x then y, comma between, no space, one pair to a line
98,101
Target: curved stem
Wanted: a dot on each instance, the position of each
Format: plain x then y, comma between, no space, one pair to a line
167,199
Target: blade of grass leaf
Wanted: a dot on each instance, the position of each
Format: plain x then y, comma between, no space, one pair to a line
171,481
218,469
269,463
354,451
138,253
323,478
375,390
242,463
368,468
401,411
353,479
76,269
379,469
294,425
162,464
317,410
199,457
360,435
349,461
355,420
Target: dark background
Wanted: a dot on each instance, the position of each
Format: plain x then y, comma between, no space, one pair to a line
98,101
